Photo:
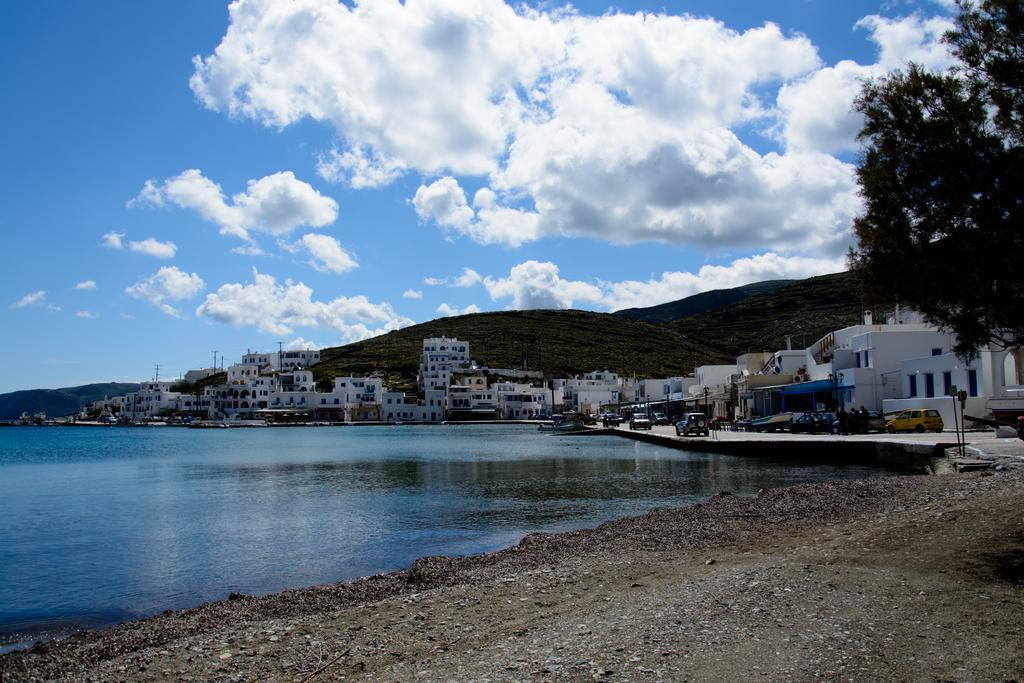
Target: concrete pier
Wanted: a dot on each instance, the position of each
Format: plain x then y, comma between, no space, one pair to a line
926,453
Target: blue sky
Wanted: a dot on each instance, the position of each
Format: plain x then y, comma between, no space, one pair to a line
180,178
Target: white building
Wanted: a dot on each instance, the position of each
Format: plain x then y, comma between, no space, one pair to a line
441,359
151,400
282,361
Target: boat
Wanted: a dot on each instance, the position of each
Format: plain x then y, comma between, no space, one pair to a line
562,423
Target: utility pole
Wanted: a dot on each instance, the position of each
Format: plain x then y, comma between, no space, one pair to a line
156,377
214,362
280,356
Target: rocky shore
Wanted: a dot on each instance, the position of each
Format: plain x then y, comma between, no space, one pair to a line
893,577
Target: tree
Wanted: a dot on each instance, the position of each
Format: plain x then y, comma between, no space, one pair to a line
942,176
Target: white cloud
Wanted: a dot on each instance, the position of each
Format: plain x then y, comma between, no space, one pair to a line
360,168
276,204
32,299
127,316
155,248
412,294
300,344
910,39
149,195
86,285
468,278
817,110
88,315
277,308
450,311
167,284
112,240
535,284
251,249
328,254
674,285
622,127
538,285
444,202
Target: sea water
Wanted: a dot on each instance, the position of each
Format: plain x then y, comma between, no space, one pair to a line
101,525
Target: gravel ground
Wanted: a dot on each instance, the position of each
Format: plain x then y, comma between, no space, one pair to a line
914,578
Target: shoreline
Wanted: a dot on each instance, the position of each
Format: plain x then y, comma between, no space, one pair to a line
720,530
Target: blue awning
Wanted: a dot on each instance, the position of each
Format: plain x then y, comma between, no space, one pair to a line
814,387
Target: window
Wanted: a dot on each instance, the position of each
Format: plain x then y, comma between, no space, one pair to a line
929,385
932,413
913,386
857,356
947,383
972,382
867,359
936,352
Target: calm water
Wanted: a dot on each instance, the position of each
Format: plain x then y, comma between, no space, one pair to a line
102,525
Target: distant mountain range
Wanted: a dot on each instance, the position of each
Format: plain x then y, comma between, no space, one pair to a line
58,402
805,310
711,327
699,303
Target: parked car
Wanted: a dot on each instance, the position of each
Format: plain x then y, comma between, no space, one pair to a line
611,420
812,423
692,423
639,422
917,420
660,419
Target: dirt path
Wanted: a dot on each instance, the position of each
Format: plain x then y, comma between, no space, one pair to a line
914,578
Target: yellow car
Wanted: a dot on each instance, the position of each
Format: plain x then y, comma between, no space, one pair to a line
917,420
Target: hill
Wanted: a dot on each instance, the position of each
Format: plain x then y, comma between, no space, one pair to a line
560,343
58,402
806,310
701,303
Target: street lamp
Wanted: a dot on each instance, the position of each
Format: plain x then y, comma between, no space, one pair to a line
706,410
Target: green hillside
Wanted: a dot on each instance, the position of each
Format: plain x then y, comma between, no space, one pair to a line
700,303
560,343
805,310
58,402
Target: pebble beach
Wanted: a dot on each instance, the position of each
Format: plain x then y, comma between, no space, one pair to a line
910,577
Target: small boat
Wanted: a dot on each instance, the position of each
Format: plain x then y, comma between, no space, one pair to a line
562,423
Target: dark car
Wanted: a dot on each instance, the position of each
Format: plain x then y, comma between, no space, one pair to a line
692,423
611,420
875,423
812,423
639,422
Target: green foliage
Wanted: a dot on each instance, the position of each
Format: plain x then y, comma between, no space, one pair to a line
943,182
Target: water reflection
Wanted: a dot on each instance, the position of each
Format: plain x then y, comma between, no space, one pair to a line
104,524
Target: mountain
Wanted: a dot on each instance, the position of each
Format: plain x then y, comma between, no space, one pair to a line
805,310
701,303
58,402
560,343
